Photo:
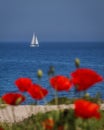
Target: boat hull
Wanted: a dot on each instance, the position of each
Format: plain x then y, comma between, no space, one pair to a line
34,45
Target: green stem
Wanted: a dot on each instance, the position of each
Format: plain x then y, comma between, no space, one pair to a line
14,119
85,124
56,97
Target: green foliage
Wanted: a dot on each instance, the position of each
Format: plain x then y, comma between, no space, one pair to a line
61,100
2,105
96,99
64,100
63,117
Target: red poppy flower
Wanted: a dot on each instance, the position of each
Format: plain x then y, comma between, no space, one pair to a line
37,92
86,109
48,124
60,83
13,98
85,78
61,128
1,128
23,84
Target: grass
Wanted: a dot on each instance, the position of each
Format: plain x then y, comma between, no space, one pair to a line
64,118
61,118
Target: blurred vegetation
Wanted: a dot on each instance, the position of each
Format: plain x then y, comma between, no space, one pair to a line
64,118
65,100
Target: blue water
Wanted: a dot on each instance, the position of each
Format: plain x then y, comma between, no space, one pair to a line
19,60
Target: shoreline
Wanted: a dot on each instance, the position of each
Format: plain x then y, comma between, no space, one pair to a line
21,112
11,114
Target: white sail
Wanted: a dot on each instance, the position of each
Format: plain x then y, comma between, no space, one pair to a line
34,41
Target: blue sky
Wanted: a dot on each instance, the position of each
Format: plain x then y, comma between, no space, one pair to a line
52,20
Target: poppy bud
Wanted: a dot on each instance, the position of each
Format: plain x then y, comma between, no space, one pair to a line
39,73
87,95
18,101
77,63
51,70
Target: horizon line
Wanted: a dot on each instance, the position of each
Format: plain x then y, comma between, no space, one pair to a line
53,41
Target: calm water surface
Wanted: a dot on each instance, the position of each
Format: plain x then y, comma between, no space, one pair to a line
19,60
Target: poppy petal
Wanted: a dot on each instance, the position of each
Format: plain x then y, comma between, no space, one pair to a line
84,78
12,98
23,84
37,92
86,109
60,83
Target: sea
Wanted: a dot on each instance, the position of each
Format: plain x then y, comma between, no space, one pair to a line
18,59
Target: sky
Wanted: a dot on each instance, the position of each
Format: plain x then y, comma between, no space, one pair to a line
52,20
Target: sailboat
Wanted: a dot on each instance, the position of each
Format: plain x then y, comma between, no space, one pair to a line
34,41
